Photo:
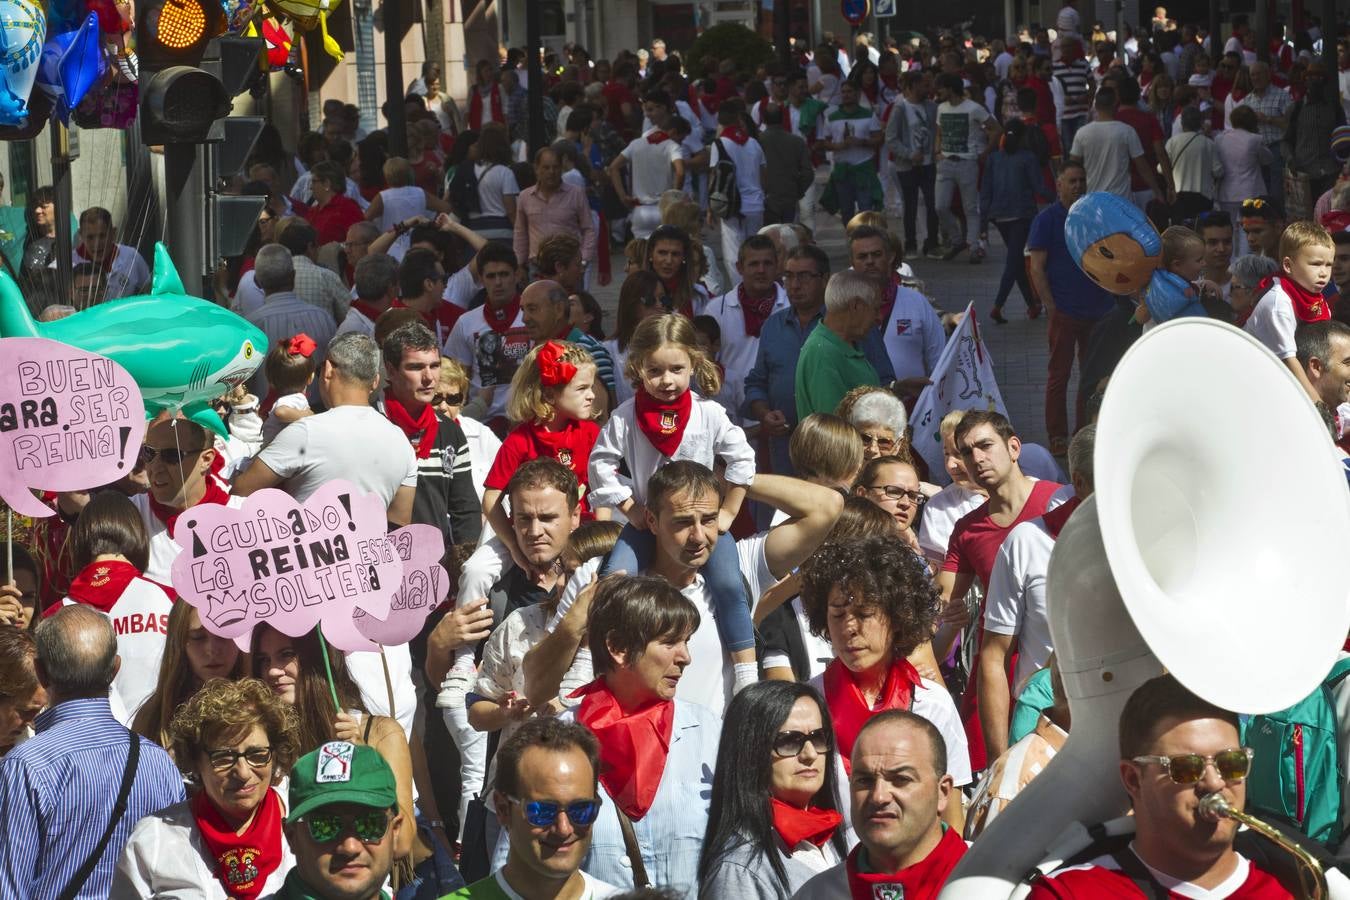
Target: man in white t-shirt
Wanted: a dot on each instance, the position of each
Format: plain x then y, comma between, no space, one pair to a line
1108,148
965,133
491,340
852,133
734,143
1015,616
683,499
657,161
351,441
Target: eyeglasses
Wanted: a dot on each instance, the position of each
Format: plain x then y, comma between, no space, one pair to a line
452,399
1254,203
172,456
543,813
787,744
896,492
225,760
884,444
369,827
1188,768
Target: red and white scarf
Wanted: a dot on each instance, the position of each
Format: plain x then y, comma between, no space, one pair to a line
633,746
663,423
242,861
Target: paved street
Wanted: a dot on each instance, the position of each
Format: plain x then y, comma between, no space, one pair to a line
1019,349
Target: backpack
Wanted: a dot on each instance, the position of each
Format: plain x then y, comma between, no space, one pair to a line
724,194
1038,144
1296,770
462,192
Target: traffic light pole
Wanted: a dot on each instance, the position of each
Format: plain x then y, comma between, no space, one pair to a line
185,214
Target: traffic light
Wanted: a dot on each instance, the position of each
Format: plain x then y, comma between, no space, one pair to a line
175,32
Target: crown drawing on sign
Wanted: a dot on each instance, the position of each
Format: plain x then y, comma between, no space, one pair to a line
225,609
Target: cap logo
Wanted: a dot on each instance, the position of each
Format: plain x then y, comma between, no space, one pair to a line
335,762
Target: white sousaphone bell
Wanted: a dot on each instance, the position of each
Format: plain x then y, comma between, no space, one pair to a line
1211,547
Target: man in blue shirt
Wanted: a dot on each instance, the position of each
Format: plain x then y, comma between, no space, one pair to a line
770,387
58,791
1076,303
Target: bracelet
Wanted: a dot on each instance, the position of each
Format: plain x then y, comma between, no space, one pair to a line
435,823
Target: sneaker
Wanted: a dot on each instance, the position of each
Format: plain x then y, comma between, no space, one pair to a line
997,315
454,687
954,251
932,251
977,256
1034,310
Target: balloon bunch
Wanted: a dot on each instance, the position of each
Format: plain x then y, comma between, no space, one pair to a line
1116,246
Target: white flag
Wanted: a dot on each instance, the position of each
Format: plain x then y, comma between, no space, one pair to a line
962,379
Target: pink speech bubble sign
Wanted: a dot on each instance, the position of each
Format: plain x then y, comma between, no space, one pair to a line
288,564
425,586
69,420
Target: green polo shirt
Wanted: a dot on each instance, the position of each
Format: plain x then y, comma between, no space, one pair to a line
827,369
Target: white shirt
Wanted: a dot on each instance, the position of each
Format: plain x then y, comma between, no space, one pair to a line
460,287
1015,600
961,129
495,182
165,857
402,203
708,436
163,548
1107,149
737,354
940,516
652,166
749,159
466,343
594,888
819,651
1272,322
140,618
914,336
367,671
836,130
354,443
272,427
483,447
623,389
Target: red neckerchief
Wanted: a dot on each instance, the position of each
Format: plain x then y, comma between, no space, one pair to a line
107,263
501,320
100,584
369,310
756,312
663,423
633,747
851,710
1308,306
658,137
242,861
216,492
476,107
787,117
426,424
884,314
570,445
735,133
796,825
921,881
1055,518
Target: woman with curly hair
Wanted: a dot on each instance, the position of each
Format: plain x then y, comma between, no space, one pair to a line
234,741
872,598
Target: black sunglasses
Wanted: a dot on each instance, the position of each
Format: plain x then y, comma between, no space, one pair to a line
787,744
172,456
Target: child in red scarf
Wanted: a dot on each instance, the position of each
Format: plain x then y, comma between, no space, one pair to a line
1295,295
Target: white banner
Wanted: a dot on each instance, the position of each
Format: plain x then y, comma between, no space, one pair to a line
962,379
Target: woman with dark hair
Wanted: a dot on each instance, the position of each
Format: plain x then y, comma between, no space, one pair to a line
1011,186
670,255
774,820
873,599
111,549
39,246
642,296
368,165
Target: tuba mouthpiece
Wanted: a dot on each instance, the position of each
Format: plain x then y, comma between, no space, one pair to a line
1215,805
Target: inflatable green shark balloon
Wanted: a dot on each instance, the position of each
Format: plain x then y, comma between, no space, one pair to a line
182,351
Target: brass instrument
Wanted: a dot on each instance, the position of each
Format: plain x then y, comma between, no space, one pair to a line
1312,881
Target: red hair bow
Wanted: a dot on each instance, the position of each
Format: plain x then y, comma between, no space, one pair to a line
302,345
553,369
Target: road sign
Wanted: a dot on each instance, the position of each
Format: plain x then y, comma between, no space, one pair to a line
855,11
884,9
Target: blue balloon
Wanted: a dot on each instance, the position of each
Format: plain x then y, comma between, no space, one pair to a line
72,63
1170,296
1113,242
23,27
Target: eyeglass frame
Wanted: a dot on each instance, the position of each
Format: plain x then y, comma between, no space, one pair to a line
542,806
233,756
348,824
821,744
1209,760
917,498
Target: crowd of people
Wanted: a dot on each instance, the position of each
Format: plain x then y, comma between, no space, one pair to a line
716,628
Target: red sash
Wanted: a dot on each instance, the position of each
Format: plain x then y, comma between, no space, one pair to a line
663,423
921,881
735,133
633,747
427,424
243,861
657,137
100,584
851,710
796,825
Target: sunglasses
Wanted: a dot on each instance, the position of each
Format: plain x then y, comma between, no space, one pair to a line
543,813
452,399
172,456
787,744
895,492
224,760
663,301
884,444
369,827
1188,768
1254,203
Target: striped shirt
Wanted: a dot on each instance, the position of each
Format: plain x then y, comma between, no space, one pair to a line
57,793
604,363
1071,81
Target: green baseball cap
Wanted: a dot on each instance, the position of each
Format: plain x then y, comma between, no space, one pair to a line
339,772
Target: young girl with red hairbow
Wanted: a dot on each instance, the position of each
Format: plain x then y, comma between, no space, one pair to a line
290,369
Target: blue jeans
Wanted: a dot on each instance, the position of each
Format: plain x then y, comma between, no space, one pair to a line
436,876
850,199
722,574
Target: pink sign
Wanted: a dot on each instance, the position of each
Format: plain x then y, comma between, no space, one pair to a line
288,564
69,420
425,586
